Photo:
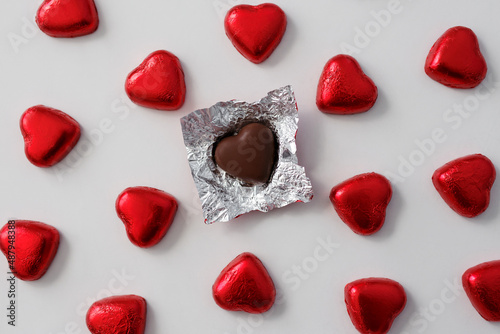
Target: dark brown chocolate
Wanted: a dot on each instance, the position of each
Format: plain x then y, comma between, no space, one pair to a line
249,155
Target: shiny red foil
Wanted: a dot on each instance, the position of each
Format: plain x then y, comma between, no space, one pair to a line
244,285
49,135
482,285
255,31
374,303
455,60
35,246
117,315
465,184
344,88
158,82
147,214
67,18
361,202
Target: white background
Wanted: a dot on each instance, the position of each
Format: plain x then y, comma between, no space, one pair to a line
424,245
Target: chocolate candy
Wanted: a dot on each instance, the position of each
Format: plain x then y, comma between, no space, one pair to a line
49,135
30,247
361,202
67,18
244,285
344,89
255,31
465,184
274,175
249,155
117,315
158,82
455,60
481,283
147,214
373,304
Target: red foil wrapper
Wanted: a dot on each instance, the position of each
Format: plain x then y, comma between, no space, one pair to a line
244,285
374,303
67,18
455,60
147,214
255,31
117,315
465,184
29,247
158,82
344,88
49,135
361,202
482,285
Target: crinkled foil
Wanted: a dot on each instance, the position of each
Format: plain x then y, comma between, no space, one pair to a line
224,197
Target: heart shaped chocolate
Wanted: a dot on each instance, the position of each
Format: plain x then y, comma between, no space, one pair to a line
344,89
455,60
255,31
158,82
117,315
29,247
147,214
361,202
482,285
249,155
244,285
67,18
49,135
374,303
465,184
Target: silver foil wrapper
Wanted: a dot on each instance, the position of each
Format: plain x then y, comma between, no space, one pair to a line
224,197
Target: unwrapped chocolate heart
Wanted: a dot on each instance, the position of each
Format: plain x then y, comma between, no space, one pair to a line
249,155
224,197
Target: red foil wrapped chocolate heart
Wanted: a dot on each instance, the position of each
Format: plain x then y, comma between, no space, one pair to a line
374,303
117,315
67,18
158,82
29,247
49,135
482,285
455,60
344,88
361,202
249,155
147,214
244,285
465,184
255,31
